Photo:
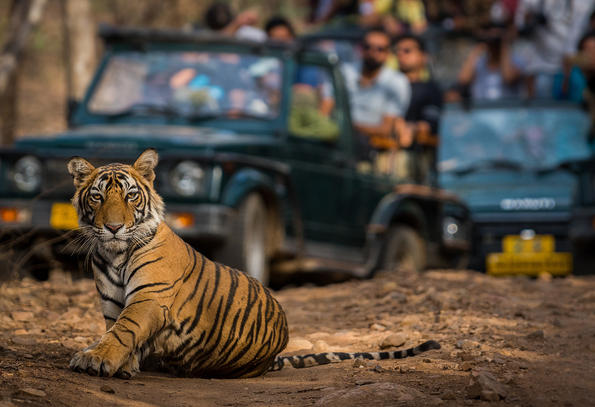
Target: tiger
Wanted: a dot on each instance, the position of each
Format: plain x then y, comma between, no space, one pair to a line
162,299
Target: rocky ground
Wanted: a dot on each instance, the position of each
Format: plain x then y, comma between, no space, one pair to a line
516,341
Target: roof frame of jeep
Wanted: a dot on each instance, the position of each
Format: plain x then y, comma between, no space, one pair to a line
135,35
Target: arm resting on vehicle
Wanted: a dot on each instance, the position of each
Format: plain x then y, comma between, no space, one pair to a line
383,130
425,136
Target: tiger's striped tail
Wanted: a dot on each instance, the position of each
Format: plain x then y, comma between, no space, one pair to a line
317,359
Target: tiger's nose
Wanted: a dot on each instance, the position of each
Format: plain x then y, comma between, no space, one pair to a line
114,227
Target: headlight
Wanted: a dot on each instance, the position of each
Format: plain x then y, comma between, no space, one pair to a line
26,174
187,178
452,229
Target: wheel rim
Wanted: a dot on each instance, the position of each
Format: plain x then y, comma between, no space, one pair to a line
255,248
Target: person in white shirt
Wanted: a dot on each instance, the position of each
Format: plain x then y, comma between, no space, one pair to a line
554,28
379,95
379,99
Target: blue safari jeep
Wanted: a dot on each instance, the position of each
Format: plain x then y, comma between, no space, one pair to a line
255,170
505,159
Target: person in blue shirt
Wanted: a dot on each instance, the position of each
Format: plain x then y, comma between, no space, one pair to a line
580,72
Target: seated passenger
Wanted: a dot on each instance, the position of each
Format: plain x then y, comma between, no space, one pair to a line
418,133
191,92
581,75
379,96
491,70
579,85
280,29
305,118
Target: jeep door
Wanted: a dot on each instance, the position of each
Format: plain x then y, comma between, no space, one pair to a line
315,149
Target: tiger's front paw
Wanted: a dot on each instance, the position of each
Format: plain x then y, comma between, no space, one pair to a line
129,368
93,363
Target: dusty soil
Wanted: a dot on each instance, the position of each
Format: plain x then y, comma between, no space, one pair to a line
484,325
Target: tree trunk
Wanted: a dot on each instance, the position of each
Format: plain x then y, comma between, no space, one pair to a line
25,15
8,110
79,47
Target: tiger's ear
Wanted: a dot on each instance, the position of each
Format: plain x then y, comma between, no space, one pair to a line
80,169
146,163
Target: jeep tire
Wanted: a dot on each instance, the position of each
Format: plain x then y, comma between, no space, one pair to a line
404,248
245,249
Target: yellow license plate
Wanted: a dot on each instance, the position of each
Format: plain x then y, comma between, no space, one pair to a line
529,264
63,217
537,244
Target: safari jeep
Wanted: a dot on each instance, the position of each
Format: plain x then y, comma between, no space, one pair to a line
253,171
506,160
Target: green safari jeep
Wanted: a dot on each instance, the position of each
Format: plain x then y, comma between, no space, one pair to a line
259,167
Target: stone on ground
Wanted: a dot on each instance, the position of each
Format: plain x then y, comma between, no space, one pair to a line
394,340
320,346
483,382
28,391
298,344
22,316
107,389
448,395
19,340
536,335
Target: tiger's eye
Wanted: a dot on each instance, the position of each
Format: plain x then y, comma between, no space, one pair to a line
96,196
132,195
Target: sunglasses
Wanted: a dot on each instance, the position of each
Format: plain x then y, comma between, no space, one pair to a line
369,47
399,50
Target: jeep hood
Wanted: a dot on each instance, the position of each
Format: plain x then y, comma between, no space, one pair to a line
105,139
509,191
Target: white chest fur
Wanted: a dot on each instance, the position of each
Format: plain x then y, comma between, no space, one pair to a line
109,269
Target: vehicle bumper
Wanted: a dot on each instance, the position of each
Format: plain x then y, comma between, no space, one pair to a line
490,229
210,222
203,222
30,214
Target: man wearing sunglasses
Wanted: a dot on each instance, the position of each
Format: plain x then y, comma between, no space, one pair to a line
418,133
378,96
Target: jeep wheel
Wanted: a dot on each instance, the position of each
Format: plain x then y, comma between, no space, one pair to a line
246,249
404,248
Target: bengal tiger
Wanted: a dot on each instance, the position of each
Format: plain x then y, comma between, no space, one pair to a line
160,297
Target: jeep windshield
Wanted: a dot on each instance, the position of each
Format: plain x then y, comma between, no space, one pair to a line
188,85
512,135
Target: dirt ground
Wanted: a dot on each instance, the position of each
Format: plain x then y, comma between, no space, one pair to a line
520,341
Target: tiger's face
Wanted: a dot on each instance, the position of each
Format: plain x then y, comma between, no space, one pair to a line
116,203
